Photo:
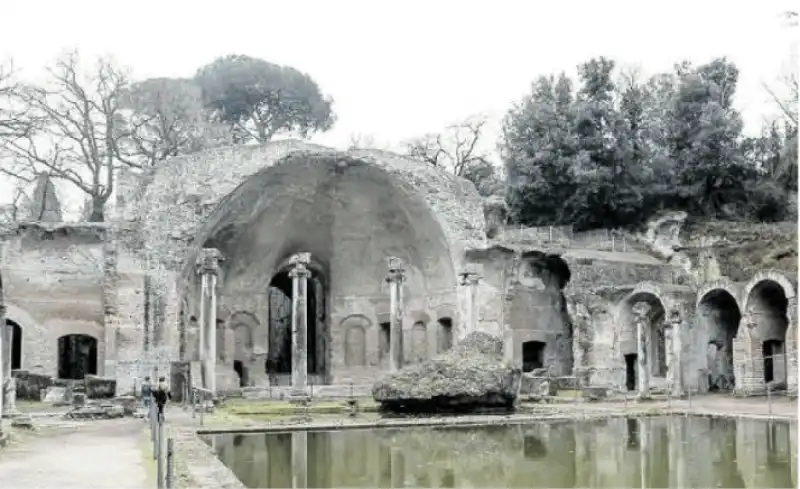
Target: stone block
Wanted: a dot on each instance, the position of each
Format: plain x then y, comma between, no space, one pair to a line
56,395
30,385
594,393
99,387
566,383
129,404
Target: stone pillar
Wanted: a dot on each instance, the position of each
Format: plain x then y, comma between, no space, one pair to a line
470,279
3,372
511,282
641,309
791,346
299,276
396,278
299,459
201,320
672,333
208,269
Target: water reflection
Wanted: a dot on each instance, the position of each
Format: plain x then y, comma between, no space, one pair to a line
648,452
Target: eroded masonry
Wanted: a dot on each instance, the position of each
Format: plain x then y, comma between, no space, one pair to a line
296,267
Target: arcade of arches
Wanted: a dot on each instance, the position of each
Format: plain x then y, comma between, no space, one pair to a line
281,272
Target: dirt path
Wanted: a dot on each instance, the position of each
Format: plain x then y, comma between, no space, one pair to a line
93,455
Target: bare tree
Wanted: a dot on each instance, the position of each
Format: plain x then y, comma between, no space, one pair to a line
77,129
360,141
12,123
456,149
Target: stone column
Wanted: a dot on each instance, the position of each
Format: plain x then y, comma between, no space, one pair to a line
791,346
209,270
396,278
299,276
641,309
2,363
511,282
470,279
201,320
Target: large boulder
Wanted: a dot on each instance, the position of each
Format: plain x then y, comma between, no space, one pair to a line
472,376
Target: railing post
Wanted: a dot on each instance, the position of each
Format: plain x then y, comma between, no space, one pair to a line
153,429
170,463
161,458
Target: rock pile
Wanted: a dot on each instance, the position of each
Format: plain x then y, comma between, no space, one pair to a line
470,377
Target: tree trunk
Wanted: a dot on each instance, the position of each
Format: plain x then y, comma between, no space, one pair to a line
98,209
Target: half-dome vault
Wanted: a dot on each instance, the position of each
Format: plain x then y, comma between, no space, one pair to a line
351,212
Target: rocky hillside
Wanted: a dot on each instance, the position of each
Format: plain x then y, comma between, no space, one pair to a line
740,248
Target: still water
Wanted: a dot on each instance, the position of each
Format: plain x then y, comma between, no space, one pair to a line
646,452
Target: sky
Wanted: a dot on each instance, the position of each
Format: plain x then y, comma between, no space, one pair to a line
400,69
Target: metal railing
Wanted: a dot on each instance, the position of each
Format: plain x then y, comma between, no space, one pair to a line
163,448
564,236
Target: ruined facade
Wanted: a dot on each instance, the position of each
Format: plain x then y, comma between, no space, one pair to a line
293,265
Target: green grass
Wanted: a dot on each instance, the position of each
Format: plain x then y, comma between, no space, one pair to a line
265,409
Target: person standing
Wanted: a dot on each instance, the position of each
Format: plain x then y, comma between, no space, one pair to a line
161,395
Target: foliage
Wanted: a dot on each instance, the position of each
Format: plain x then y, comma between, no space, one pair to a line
166,118
258,99
609,151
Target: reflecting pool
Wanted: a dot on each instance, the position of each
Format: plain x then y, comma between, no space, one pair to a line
645,452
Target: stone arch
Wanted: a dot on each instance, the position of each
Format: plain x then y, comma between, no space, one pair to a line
355,329
652,354
717,320
770,317
723,284
243,325
767,275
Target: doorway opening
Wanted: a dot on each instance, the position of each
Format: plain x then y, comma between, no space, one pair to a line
241,371
630,371
773,355
445,336
532,355
384,340
77,356
16,344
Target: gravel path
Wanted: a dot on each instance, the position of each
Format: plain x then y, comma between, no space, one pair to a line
95,455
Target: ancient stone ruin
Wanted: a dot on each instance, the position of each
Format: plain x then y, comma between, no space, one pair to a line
469,377
297,268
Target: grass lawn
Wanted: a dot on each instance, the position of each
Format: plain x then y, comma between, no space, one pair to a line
265,409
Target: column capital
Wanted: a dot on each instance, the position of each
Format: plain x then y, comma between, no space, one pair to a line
299,263
208,261
397,269
470,277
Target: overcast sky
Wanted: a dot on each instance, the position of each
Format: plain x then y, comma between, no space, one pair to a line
398,69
